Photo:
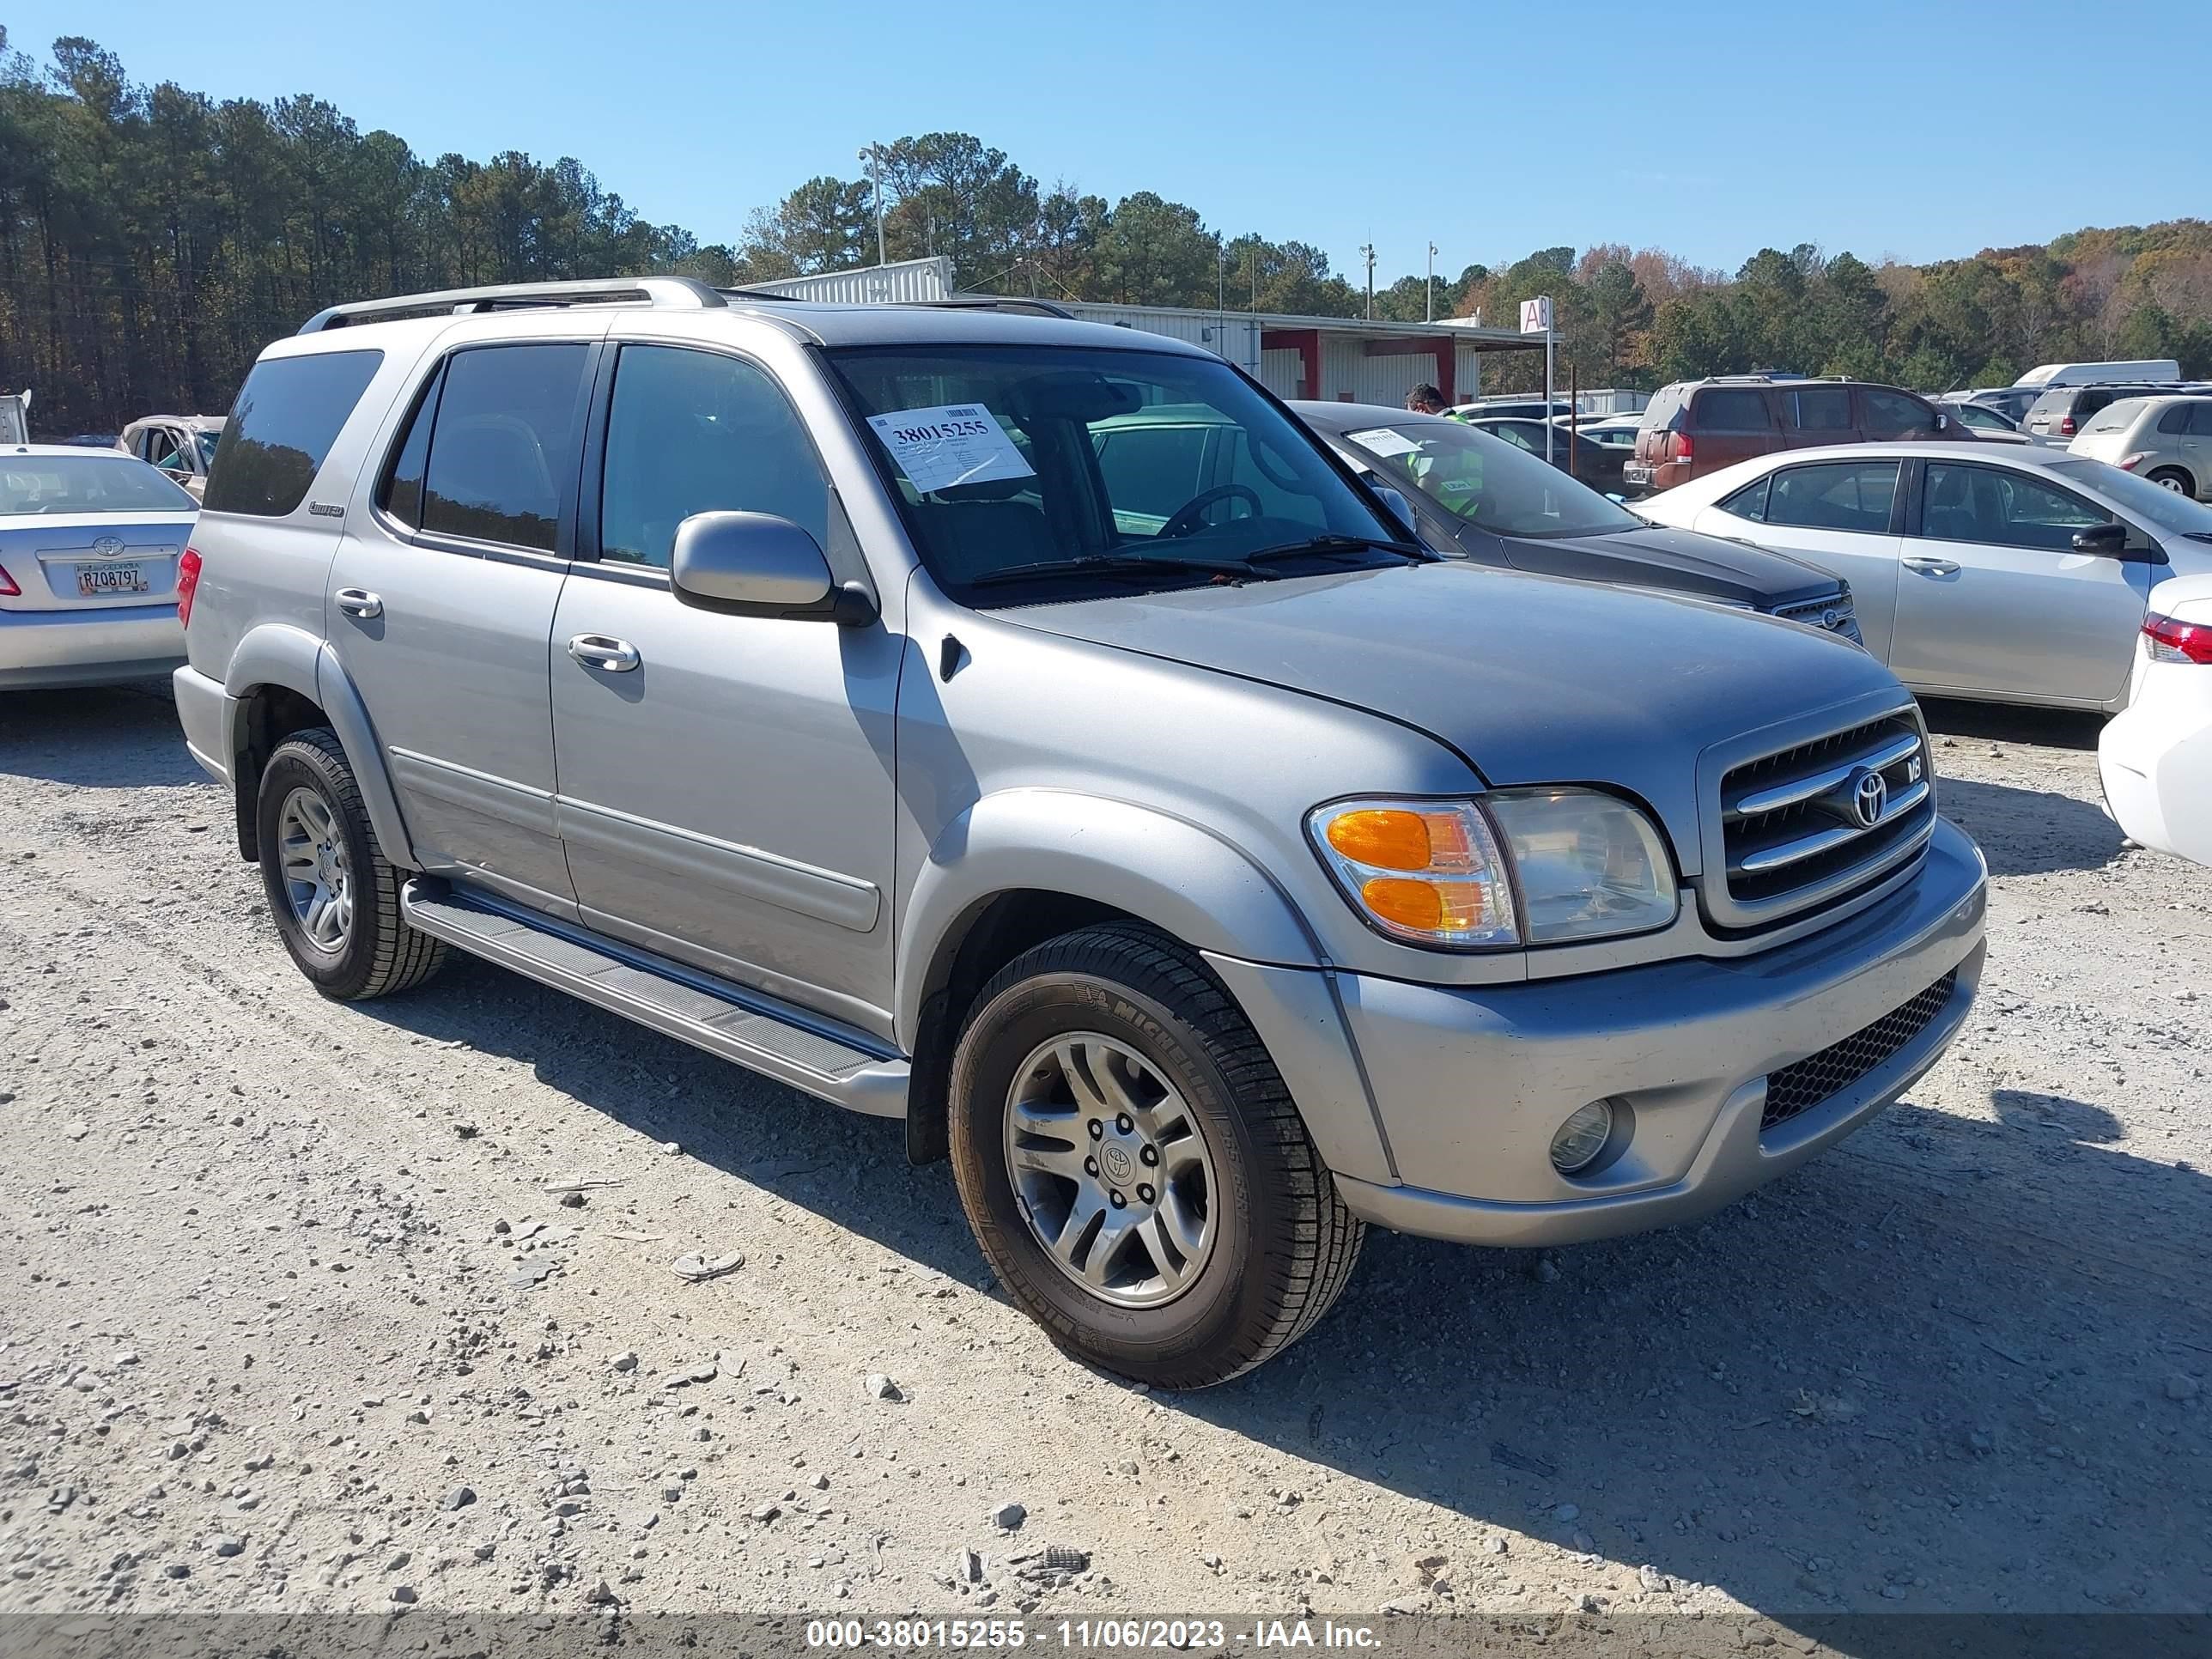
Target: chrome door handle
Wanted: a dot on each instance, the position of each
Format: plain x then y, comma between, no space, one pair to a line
1928,567
358,601
605,651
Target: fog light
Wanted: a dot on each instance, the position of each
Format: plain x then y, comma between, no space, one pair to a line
1582,1137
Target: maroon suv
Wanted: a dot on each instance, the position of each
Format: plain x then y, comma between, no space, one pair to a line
1694,427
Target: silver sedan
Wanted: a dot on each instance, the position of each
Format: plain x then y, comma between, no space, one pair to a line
90,544
2002,574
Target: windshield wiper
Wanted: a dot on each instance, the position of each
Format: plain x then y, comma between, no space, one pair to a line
1337,544
1107,564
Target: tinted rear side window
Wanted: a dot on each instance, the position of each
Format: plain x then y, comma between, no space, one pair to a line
1748,502
1732,412
503,452
1838,495
288,415
1819,409
2200,419
1891,414
403,489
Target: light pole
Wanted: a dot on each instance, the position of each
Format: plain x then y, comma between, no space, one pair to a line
1429,293
873,156
1367,252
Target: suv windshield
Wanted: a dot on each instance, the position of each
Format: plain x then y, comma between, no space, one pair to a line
1470,475
207,442
1061,464
85,484
2169,510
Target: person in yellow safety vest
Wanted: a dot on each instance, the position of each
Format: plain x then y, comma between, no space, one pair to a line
1450,475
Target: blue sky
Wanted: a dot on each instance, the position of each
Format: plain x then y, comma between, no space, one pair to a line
1919,130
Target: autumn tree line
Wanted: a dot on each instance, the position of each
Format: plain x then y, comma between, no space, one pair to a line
153,239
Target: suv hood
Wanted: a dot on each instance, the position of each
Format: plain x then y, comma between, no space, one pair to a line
1533,680
1679,560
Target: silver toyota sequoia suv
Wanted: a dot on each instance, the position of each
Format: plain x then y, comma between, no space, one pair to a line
1157,830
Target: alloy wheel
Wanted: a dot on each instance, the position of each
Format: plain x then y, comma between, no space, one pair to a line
318,875
1111,1170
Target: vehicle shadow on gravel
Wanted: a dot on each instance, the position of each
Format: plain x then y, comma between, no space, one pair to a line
2030,832
1930,1371
1953,1365
1996,722
102,738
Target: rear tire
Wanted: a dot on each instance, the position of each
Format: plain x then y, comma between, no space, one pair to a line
333,895
1264,1252
2174,478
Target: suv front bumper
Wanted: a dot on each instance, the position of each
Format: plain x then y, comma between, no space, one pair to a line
1468,1085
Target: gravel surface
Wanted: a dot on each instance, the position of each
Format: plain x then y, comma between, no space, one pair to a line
308,1306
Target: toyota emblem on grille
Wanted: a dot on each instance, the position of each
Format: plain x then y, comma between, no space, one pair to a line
1832,619
1870,799
108,546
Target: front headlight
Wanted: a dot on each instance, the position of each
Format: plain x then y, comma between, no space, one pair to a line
1437,872
1590,865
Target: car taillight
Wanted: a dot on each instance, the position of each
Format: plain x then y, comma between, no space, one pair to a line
7,588
1684,449
188,583
2129,463
2065,426
2171,640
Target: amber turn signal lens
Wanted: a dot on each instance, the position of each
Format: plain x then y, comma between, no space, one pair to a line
1381,839
1428,906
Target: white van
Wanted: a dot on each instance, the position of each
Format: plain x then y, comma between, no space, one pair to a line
15,417
2140,369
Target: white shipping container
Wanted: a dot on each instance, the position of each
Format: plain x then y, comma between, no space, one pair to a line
908,280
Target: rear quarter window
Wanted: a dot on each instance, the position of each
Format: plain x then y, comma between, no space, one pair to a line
288,413
1738,410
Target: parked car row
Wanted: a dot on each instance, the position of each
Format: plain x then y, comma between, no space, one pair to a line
1695,427
2064,412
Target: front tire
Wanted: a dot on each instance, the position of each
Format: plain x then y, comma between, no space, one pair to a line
1134,1168
334,896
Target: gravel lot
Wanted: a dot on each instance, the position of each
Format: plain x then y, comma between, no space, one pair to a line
292,1316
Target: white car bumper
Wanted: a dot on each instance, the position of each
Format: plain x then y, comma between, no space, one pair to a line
2155,759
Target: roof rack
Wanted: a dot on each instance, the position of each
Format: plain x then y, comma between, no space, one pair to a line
993,302
677,292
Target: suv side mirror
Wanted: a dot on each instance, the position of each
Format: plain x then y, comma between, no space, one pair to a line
755,564
2109,540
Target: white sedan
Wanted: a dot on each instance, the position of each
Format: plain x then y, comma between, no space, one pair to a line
90,542
2156,757
2002,574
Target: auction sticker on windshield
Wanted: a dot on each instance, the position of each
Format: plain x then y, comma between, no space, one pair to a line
1381,440
950,444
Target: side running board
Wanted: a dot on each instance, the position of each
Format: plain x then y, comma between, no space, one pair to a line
738,1023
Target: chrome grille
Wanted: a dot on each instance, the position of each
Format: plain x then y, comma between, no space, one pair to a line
1835,615
1814,822
1816,1078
